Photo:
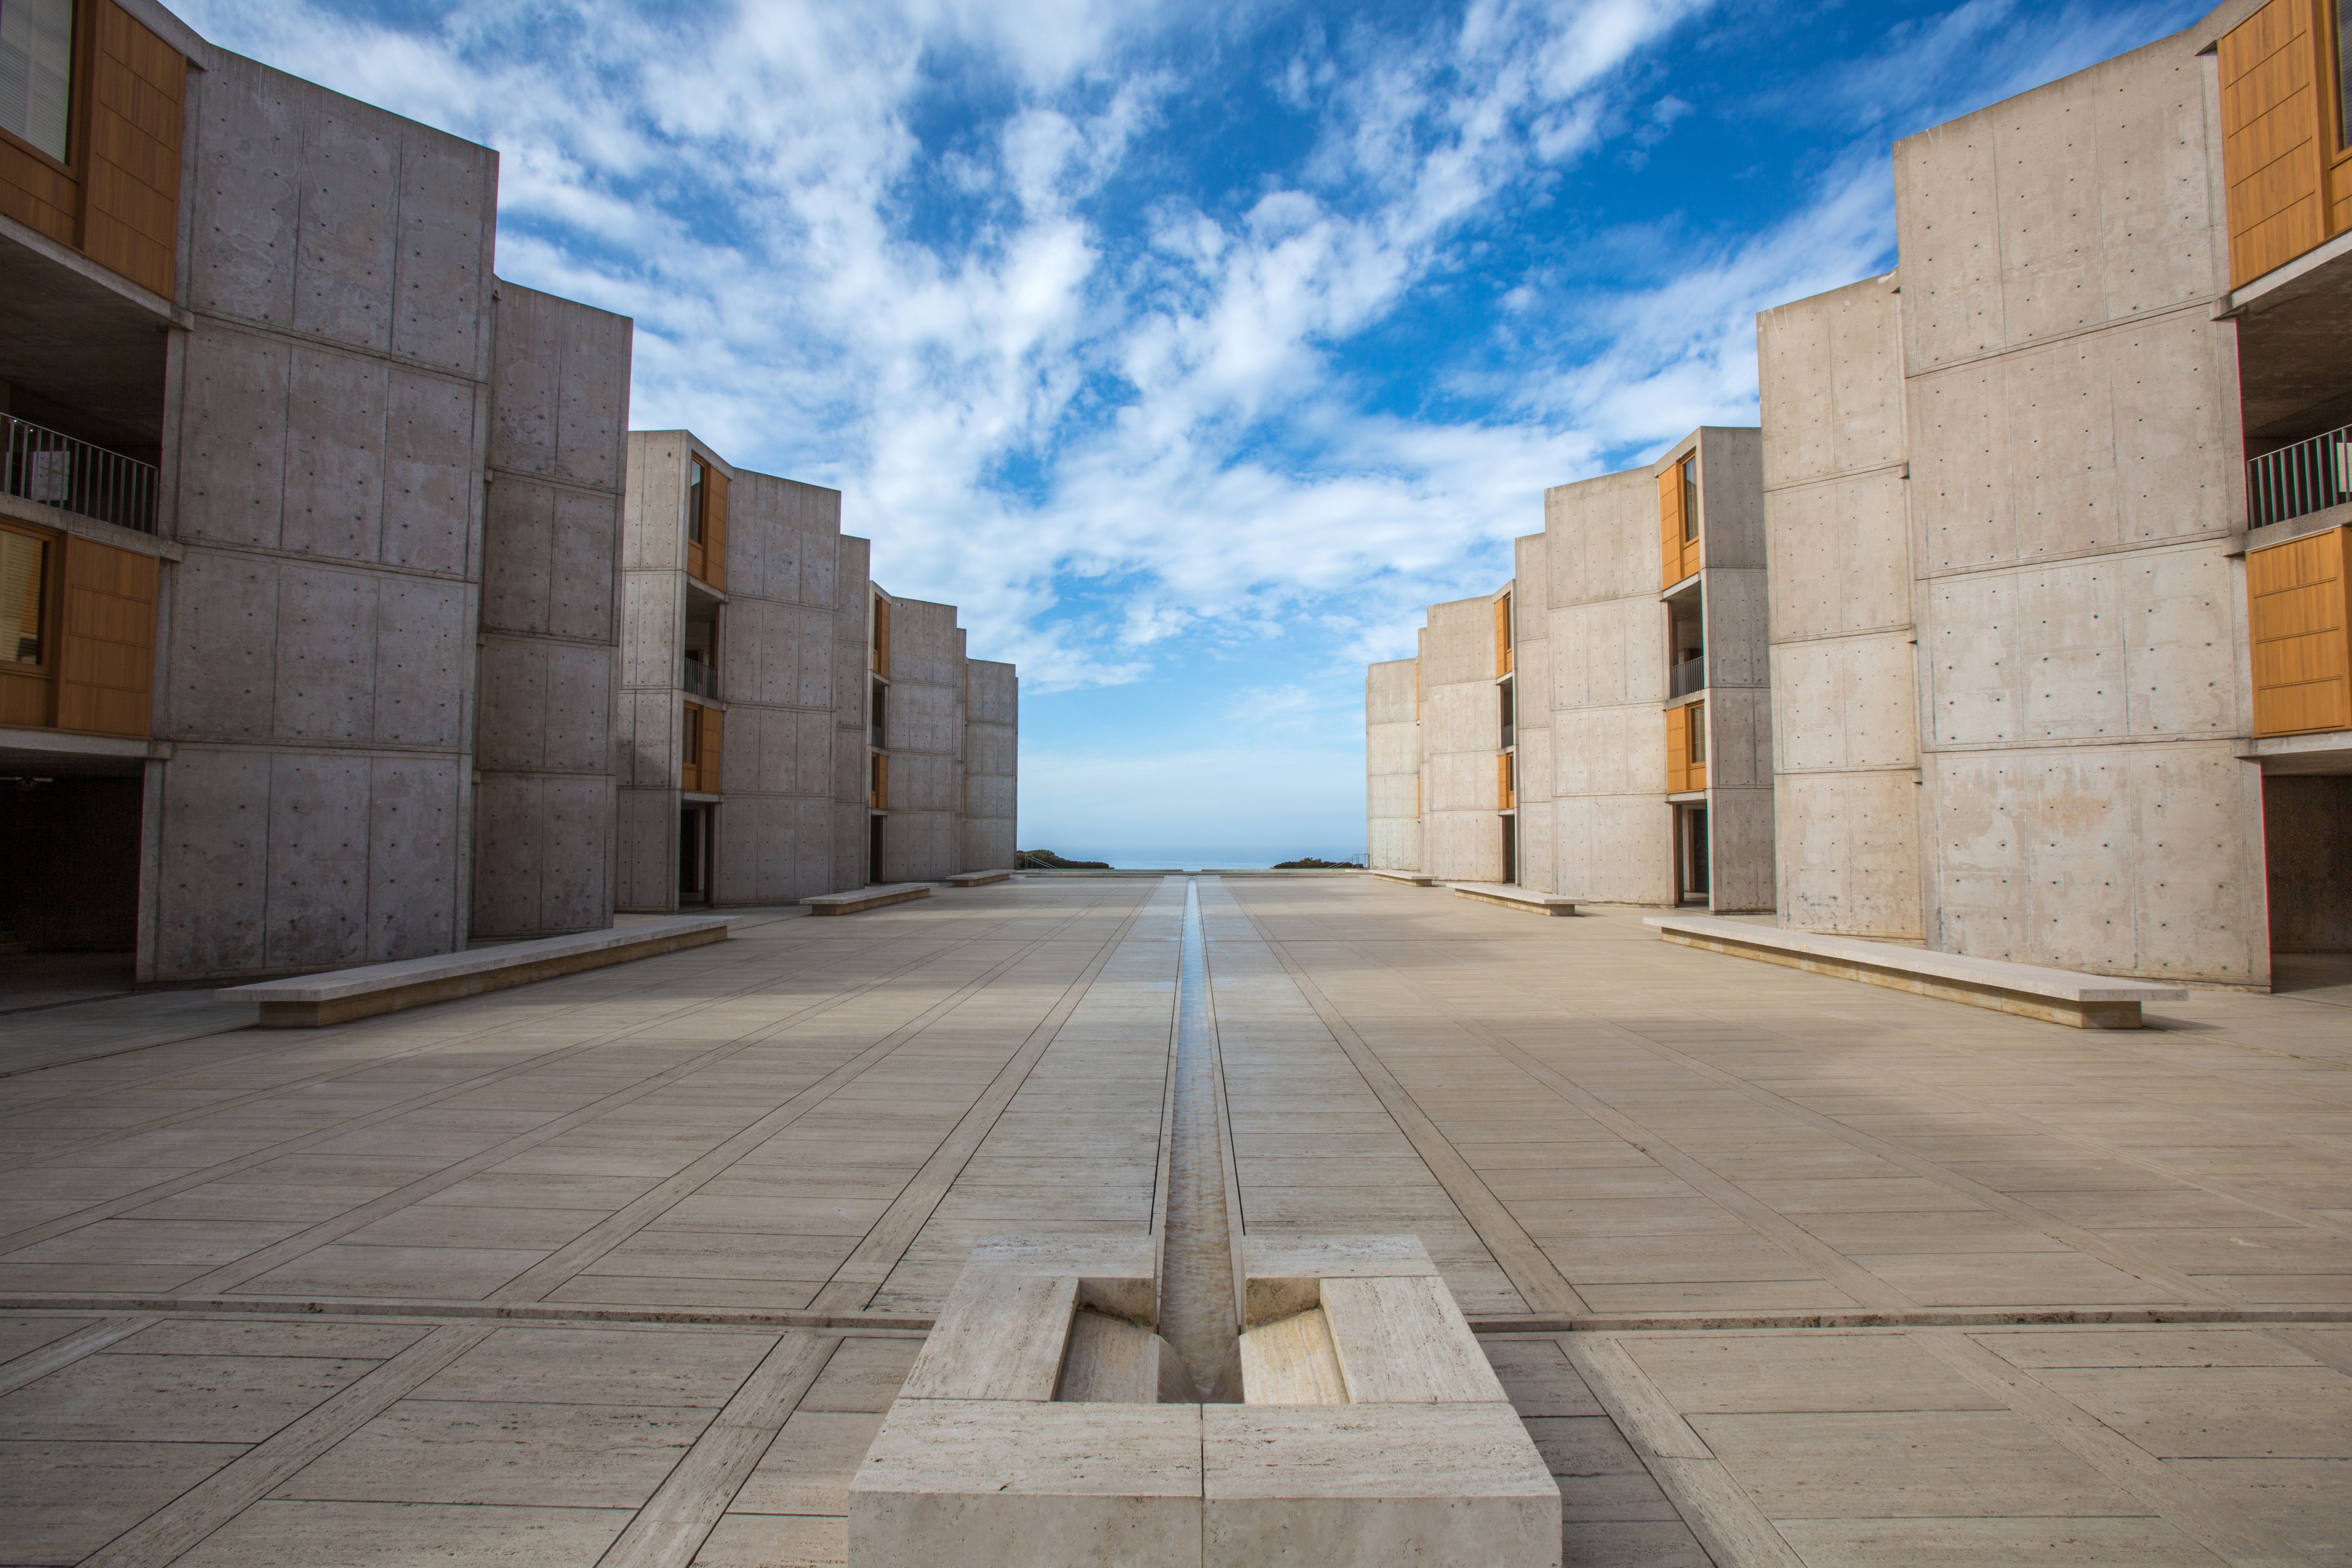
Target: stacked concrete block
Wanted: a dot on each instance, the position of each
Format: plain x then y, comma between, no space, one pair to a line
922,837
1839,551
1538,853
330,428
776,683
1393,764
1461,737
853,677
2020,456
992,729
545,835
1606,633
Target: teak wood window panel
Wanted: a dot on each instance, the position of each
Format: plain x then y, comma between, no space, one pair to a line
1506,791
706,522
881,652
2297,620
80,650
1503,636
1679,552
115,195
698,741
879,785
2282,135
1686,748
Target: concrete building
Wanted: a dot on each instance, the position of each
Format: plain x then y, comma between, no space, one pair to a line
288,691
311,550
1598,727
2059,672
789,729
2046,530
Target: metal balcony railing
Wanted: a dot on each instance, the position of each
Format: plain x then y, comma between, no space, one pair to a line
2310,476
1687,677
701,680
40,465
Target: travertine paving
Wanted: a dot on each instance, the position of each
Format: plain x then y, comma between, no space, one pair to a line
624,1267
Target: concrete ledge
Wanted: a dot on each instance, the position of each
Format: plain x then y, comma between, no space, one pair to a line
873,897
978,878
1411,878
2053,996
310,1001
1510,898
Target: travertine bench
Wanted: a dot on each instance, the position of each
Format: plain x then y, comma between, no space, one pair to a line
310,1000
977,878
1411,879
2057,996
1512,898
873,897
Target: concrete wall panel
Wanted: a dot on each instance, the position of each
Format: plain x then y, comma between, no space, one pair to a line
245,197
334,453
421,632
232,468
412,895
213,878
1739,859
346,243
428,474
326,653
1847,847
448,207
318,861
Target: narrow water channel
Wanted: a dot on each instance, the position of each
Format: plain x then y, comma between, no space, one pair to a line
1198,1306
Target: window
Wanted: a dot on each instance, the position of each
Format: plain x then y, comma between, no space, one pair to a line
2344,71
693,501
24,596
1690,498
1696,717
37,71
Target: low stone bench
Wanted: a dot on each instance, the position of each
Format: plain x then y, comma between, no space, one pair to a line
2054,995
873,897
977,878
310,1001
1510,898
1411,878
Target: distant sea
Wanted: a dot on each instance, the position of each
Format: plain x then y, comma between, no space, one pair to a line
1257,858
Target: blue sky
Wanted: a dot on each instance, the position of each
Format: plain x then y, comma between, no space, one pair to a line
1192,349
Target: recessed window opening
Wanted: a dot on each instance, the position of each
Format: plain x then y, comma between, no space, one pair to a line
694,500
1509,727
37,71
881,695
1686,645
1690,498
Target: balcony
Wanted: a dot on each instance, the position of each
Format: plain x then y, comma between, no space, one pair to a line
1686,676
40,465
2293,482
701,679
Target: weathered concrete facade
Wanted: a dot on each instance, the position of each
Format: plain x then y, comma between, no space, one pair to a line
1460,739
1392,781
349,612
2020,455
545,832
991,762
1550,730
755,658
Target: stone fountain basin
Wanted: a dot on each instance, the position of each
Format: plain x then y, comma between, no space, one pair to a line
1045,1423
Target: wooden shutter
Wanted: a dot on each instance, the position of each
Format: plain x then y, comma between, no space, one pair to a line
2302,663
879,798
881,635
130,221
2274,124
1507,794
1694,532
1677,752
1503,635
713,723
714,527
106,643
1670,526
1694,746
689,749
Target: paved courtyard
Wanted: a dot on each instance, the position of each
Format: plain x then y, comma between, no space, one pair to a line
622,1268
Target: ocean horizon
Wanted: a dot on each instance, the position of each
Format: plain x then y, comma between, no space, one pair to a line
1227,857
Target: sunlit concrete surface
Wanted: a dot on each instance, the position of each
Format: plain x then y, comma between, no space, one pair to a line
624,1267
